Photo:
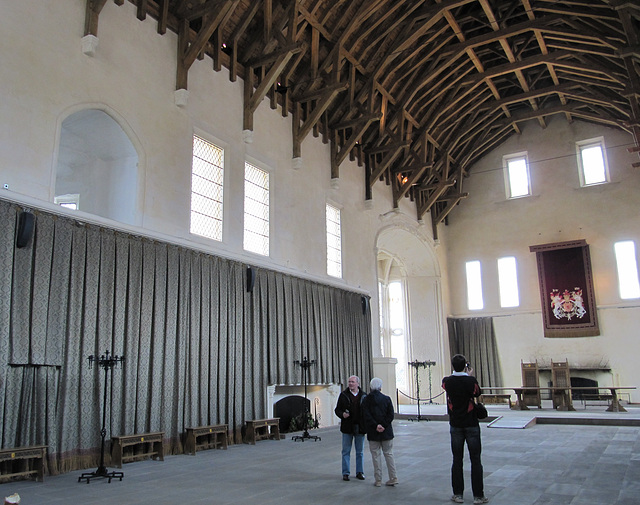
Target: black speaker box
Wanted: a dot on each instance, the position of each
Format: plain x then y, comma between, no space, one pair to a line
251,279
365,304
26,221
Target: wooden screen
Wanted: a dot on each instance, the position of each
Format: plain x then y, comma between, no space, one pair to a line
531,378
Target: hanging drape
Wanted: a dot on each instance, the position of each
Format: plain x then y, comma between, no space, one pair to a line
475,338
199,347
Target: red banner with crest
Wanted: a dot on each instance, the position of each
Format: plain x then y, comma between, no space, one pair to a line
566,289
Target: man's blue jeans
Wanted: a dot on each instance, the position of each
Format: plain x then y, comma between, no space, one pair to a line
358,442
471,436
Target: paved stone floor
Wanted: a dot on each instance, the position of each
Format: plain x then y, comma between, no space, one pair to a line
542,464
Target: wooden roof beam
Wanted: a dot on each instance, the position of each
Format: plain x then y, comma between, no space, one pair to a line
561,110
633,88
189,50
141,9
536,93
238,31
556,58
92,12
392,151
403,186
163,16
253,98
339,153
326,97
452,201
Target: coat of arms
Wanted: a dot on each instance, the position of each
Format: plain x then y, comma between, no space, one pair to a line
569,304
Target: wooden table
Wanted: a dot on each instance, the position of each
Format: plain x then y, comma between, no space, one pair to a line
615,403
565,394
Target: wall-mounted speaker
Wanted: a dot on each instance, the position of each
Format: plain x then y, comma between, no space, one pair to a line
26,221
365,304
251,279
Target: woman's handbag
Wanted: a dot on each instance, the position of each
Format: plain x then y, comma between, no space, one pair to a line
481,410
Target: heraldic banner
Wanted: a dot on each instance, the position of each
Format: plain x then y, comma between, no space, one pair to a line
566,289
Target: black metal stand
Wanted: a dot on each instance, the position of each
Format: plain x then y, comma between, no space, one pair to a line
417,365
429,365
305,364
107,363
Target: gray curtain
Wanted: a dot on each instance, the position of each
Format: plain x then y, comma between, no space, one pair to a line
475,338
199,347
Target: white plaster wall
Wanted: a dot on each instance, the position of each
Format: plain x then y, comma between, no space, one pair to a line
122,189
46,77
487,226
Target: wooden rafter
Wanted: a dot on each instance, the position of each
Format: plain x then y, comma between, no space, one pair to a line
92,13
422,88
318,106
253,97
189,50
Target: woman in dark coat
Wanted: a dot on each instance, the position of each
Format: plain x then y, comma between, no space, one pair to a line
377,410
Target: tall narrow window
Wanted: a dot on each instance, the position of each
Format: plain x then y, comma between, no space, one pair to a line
397,327
592,162
207,175
517,179
508,281
474,286
627,269
256,210
382,312
334,242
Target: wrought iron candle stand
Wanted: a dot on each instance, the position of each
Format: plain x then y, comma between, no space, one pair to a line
106,362
417,365
305,364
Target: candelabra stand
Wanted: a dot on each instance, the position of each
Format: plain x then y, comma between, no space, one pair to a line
417,365
429,364
305,364
107,363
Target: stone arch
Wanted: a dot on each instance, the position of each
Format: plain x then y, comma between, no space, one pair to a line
413,251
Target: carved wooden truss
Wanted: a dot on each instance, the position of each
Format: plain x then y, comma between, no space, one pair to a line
415,90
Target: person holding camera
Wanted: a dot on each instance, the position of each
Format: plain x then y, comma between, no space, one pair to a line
462,389
352,427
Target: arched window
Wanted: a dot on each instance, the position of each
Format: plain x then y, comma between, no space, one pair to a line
393,315
97,167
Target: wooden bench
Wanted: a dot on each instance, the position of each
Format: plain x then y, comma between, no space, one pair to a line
216,437
36,453
588,398
152,443
491,398
262,429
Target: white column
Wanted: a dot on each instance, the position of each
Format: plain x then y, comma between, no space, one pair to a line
271,391
385,369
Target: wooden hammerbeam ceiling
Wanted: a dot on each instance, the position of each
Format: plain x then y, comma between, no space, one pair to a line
416,91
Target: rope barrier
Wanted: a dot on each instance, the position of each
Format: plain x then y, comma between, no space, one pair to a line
419,399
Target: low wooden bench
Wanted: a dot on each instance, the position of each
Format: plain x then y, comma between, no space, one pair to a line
491,398
36,453
588,399
262,429
152,443
216,437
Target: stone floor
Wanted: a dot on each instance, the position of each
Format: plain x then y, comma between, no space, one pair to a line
542,464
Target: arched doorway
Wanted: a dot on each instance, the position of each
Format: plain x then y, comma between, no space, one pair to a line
97,167
412,324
